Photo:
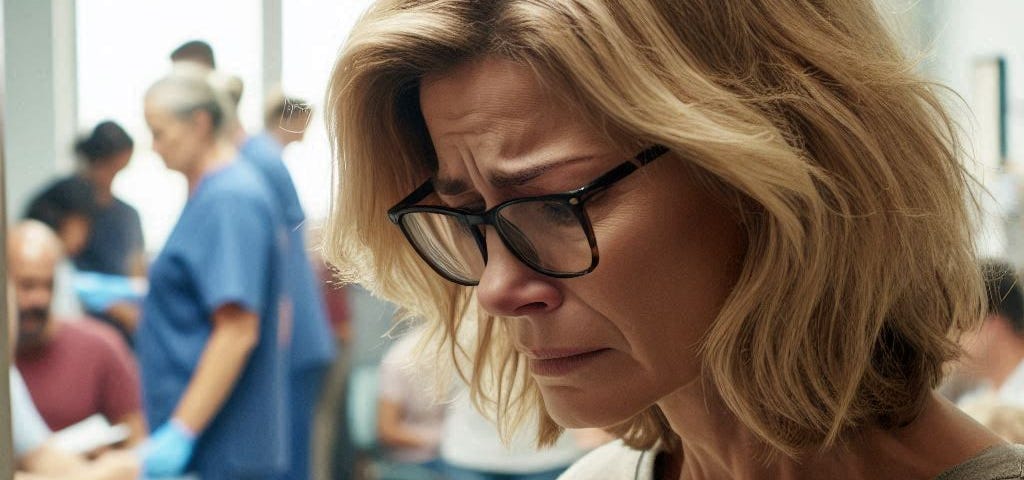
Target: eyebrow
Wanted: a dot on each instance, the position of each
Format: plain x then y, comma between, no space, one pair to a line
503,179
452,186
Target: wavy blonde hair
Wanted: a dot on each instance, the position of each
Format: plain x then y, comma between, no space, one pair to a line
840,161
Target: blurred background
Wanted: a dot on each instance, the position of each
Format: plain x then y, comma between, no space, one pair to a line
71,64
68,65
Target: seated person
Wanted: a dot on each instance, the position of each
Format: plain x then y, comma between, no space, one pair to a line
35,455
995,362
72,208
60,355
995,353
409,419
38,459
67,207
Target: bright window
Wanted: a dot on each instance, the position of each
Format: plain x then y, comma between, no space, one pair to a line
123,47
313,33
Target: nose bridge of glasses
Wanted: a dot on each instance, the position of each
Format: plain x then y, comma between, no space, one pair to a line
507,233
476,220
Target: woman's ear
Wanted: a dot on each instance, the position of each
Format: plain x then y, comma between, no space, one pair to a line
203,121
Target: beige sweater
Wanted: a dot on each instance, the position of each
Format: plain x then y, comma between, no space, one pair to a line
615,461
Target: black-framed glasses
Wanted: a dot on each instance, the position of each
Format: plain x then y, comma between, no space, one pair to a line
549,233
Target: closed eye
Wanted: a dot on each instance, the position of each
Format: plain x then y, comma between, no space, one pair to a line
557,213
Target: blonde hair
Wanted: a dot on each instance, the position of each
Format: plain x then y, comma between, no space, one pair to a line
840,161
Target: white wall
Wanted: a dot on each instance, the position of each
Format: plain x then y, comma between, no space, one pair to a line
242,33
313,33
40,111
962,33
971,30
123,47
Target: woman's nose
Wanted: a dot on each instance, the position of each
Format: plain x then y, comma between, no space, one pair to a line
509,288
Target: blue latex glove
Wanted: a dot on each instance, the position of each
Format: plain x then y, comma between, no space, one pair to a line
166,453
99,291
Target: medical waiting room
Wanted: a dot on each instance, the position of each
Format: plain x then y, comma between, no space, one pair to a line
512,239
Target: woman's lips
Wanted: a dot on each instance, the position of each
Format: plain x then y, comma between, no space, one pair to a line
561,362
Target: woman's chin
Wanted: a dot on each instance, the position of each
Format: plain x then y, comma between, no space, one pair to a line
586,411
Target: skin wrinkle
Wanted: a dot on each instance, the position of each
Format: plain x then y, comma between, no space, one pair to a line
639,332
498,125
450,186
722,85
649,326
504,136
508,179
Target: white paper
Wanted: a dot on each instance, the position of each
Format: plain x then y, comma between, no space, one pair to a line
90,434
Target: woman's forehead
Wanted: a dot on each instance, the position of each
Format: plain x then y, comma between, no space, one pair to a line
493,115
486,81
488,100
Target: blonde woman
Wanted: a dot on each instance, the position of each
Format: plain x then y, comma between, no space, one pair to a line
735,232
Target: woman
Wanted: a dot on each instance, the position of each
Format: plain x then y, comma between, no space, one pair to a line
210,344
115,243
67,207
101,233
777,202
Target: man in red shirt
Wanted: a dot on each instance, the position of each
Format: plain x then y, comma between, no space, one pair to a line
74,368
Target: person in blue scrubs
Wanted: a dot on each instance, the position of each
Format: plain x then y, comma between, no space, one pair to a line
215,329
313,344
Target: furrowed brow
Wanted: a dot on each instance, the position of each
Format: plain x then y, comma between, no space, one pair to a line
520,177
450,186
454,186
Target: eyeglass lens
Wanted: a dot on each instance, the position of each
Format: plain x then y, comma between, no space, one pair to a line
547,235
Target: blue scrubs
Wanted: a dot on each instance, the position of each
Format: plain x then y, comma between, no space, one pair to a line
228,247
313,344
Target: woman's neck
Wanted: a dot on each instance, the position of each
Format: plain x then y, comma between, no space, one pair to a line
219,155
715,445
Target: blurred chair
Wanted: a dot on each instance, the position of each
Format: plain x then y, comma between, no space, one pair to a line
356,453
362,426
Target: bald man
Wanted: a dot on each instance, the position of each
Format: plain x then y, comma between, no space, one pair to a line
73,367
36,455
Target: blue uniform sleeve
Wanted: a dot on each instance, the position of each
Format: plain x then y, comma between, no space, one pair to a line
30,431
231,253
